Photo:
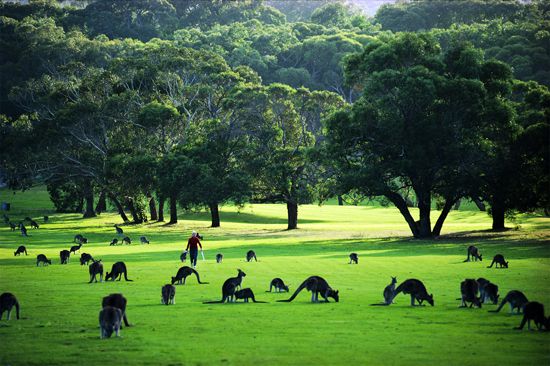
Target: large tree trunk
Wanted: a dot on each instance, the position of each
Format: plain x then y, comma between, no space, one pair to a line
101,203
119,208
215,214
89,197
292,211
424,208
153,209
161,208
340,200
443,215
497,212
173,210
401,205
136,216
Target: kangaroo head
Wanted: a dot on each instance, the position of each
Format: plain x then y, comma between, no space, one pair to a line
430,299
480,259
506,264
393,280
241,273
334,295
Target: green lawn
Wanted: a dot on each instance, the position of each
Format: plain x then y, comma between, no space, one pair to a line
60,309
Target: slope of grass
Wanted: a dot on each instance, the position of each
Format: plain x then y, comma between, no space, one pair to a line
59,308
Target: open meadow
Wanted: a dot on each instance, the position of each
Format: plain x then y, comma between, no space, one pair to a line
59,309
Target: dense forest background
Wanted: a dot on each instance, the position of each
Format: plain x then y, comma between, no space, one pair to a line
201,103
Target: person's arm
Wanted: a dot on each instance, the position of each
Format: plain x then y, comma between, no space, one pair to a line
188,242
199,242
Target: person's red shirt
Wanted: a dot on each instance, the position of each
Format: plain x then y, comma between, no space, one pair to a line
193,242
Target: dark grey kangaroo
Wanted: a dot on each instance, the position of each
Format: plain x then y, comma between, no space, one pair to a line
117,301
96,268
249,255
534,311
516,299
353,258
110,320
278,284
245,294
85,258
468,290
219,258
168,295
229,287
20,249
64,255
499,260
416,289
7,302
488,291
183,273
41,258
474,253
317,285
389,291
117,270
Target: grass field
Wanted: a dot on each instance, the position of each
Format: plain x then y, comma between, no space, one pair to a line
59,308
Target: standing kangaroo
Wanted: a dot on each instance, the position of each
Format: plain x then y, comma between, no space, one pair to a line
353,258
117,301
7,302
499,260
468,290
249,255
168,295
245,294
96,268
534,311
229,287
20,249
416,289
516,299
117,270
219,258
317,285
474,253
389,291
119,230
64,255
183,273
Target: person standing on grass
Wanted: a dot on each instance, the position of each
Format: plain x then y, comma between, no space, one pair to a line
193,245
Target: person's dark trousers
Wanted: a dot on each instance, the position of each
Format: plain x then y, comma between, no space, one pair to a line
193,253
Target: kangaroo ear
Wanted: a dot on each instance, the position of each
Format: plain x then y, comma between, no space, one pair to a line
336,292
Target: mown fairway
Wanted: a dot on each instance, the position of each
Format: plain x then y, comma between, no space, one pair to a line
60,309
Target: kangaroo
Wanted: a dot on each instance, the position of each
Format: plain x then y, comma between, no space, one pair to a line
516,299
229,287
96,268
499,260
488,291
75,248
389,291
12,226
219,258
168,295
183,273
23,229
143,240
46,218
249,255
78,238
416,289
474,253
20,249
34,224
245,294
64,255
118,301
7,302
278,284
126,240
353,258
117,270
114,241
183,256
317,285
85,258
469,289
534,311
110,319
41,258
119,230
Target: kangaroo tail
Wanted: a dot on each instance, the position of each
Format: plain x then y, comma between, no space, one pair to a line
198,278
17,309
126,276
499,307
212,302
491,266
260,302
300,288
380,304
256,259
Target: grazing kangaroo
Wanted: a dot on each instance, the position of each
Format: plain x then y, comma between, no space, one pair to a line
219,258
468,290
85,258
20,249
75,248
117,270
317,285
41,258
516,299
488,291
114,241
126,240
245,294
23,229
534,311
416,289
474,253
64,255
13,226
7,302
34,225
353,258
110,320
117,301
499,260
119,230
96,268
183,256
229,287
278,284
143,240
168,295
249,255
183,273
